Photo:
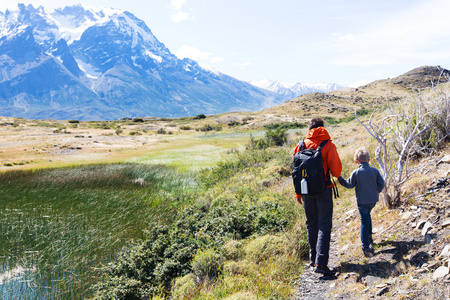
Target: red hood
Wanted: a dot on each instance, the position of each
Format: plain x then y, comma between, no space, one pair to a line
319,133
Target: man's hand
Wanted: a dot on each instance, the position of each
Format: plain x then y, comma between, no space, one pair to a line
299,199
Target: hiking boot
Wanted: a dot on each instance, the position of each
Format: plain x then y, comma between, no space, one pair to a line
324,270
369,251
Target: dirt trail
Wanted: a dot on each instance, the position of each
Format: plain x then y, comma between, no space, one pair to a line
409,244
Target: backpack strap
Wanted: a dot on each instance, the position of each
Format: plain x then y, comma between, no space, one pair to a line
322,145
302,145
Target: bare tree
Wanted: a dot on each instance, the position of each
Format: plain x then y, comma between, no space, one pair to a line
413,127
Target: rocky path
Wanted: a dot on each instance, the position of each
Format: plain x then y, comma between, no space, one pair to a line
411,260
313,286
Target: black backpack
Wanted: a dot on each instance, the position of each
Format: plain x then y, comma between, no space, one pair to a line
308,165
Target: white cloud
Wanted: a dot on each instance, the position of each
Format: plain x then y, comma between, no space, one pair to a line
356,84
186,51
178,15
177,4
216,60
416,35
198,55
245,65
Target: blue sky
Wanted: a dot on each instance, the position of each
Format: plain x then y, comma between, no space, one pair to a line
346,42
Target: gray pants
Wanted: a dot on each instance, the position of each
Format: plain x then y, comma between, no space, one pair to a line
319,215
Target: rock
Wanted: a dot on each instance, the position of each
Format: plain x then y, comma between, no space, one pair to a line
370,280
403,292
347,276
440,272
413,207
343,249
427,227
420,271
445,159
420,224
382,291
446,223
350,212
445,252
392,281
406,215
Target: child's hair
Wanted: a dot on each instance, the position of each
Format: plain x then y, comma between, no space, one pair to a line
362,154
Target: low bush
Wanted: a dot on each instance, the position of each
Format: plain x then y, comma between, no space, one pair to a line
207,264
198,117
184,287
209,127
285,125
148,268
161,131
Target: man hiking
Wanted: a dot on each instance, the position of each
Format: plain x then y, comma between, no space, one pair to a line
319,205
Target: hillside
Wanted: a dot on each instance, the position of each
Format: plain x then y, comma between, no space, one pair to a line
342,103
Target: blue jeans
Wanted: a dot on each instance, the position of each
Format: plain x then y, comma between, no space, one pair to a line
319,215
366,223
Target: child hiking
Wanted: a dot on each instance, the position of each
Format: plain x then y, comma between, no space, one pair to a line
368,183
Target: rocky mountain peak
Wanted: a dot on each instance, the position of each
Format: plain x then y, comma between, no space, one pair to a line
104,63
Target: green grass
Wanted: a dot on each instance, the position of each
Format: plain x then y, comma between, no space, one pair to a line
65,223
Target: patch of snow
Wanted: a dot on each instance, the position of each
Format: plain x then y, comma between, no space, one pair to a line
153,56
209,69
88,69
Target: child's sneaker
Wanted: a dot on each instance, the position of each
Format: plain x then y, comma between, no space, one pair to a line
368,252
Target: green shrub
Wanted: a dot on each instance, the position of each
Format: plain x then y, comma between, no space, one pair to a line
138,120
233,249
241,267
265,247
198,117
209,127
233,123
102,125
243,296
276,137
185,127
73,121
207,264
184,287
285,125
161,131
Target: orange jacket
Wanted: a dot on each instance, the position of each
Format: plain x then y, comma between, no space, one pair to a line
331,160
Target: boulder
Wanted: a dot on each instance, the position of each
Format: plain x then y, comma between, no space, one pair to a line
440,272
427,227
445,252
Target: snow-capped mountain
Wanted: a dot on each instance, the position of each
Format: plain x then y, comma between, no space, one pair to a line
294,90
86,63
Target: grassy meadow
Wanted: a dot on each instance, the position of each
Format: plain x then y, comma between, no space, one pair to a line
78,199
60,225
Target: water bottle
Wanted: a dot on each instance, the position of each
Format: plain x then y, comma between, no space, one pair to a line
304,186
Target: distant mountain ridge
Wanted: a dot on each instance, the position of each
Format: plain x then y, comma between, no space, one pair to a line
294,90
88,63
